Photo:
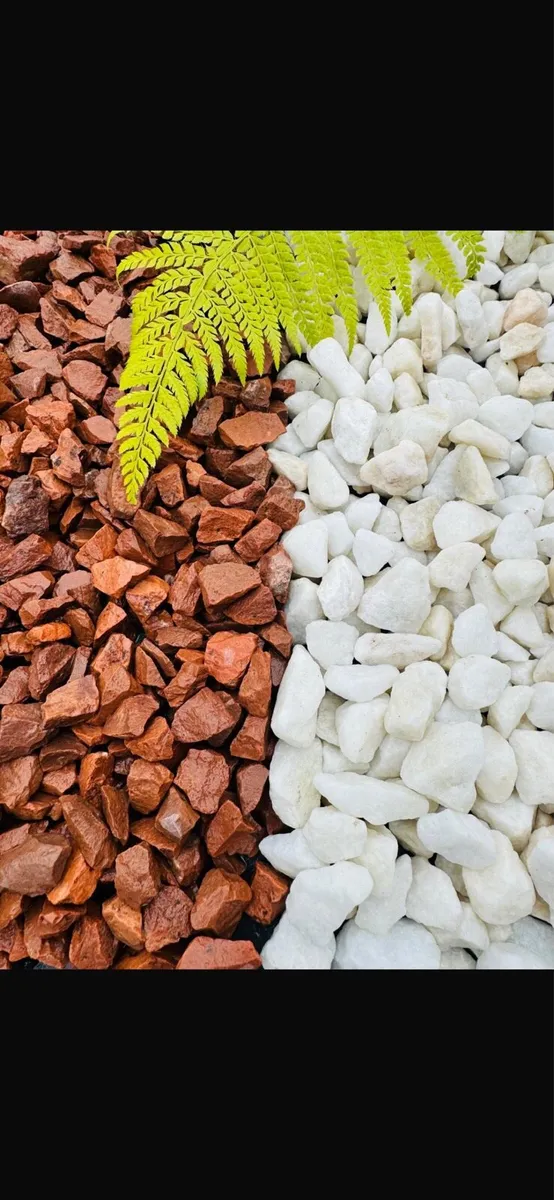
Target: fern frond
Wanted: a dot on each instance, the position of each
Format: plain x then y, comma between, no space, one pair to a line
314,304
432,253
373,255
167,254
281,273
341,284
399,266
472,246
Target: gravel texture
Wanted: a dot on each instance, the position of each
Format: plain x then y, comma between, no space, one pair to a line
140,646
414,766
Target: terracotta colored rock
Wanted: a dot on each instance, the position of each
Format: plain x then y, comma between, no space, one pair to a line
98,431
51,631
219,954
230,832
169,483
203,776
129,545
251,740
24,297
184,595
247,497
124,922
255,689
251,779
50,665
16,687
11,906
258,540
278,636
56,783
28,554
19,778
56,919
95,769
269,893
225,582
206,715
93,945
137,877
256,393
213,489
130,717
147,784
77,585
26,508
167,918
114,575
162,536
89,832
146,670
228,655
117,651
77,883
223,524
176,818
251,430
156,744
257,608
115,807
144,962
66,460
206,420
21,730
220,902
71,703
36,865
147,596
189,512
99,547
280,506
116,684
85,378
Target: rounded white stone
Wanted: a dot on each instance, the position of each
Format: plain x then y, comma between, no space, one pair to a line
432,899
331,643
371,551
302,688
504,892
496,779
289,949
360,728
377,801
307,547
459,837
341,588
507,956
445,764
289,852
477,681
360,683
474,633
353,426
400,599
291,781
327,489
320,900
407,947
334,836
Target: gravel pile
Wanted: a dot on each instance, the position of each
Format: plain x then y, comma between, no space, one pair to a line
415,720
139,651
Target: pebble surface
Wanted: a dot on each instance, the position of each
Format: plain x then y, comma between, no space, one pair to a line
414,765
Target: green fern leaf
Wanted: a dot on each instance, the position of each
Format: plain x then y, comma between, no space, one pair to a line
472,246
399,267
341,284
314,304
432,253
281,276
371,246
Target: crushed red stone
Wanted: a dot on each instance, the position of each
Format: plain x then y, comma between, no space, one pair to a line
140,645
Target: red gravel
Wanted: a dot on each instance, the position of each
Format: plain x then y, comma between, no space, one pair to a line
140,646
